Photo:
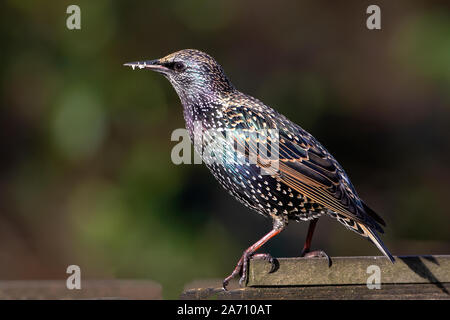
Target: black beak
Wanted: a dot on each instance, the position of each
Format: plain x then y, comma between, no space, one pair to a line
154,65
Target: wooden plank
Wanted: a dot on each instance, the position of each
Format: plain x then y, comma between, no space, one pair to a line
349,270
348,292
412,277
90,289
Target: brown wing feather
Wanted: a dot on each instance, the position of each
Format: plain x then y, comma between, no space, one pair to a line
307,167
320,177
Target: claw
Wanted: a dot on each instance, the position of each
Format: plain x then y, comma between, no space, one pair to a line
242,266
267,257
225,284
235,272
317,254
242,280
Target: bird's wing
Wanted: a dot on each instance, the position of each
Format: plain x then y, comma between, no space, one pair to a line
305,166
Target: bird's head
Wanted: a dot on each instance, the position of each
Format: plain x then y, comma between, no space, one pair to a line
191,72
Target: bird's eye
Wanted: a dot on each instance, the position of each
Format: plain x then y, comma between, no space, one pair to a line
178,66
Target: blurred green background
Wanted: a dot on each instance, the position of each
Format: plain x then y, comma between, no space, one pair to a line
85,170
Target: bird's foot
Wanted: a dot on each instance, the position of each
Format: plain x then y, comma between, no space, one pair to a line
265,256
316,254
242,267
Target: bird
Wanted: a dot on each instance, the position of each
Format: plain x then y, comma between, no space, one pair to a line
301,182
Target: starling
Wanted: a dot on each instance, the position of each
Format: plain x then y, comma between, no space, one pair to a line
306,182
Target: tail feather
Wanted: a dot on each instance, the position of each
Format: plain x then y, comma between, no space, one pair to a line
373,214
377,241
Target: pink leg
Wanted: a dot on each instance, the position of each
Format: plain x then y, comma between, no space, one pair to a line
307,247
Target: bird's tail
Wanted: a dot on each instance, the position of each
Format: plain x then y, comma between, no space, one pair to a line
377,241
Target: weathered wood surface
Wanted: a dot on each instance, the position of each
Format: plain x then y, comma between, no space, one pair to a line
414,277
90,289
349,270
350,292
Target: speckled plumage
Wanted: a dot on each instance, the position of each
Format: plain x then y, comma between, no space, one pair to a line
308,182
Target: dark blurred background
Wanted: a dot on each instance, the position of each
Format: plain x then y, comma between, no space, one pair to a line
85,170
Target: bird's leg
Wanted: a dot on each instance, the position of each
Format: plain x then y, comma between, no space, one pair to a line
306,253
311,228
242,264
